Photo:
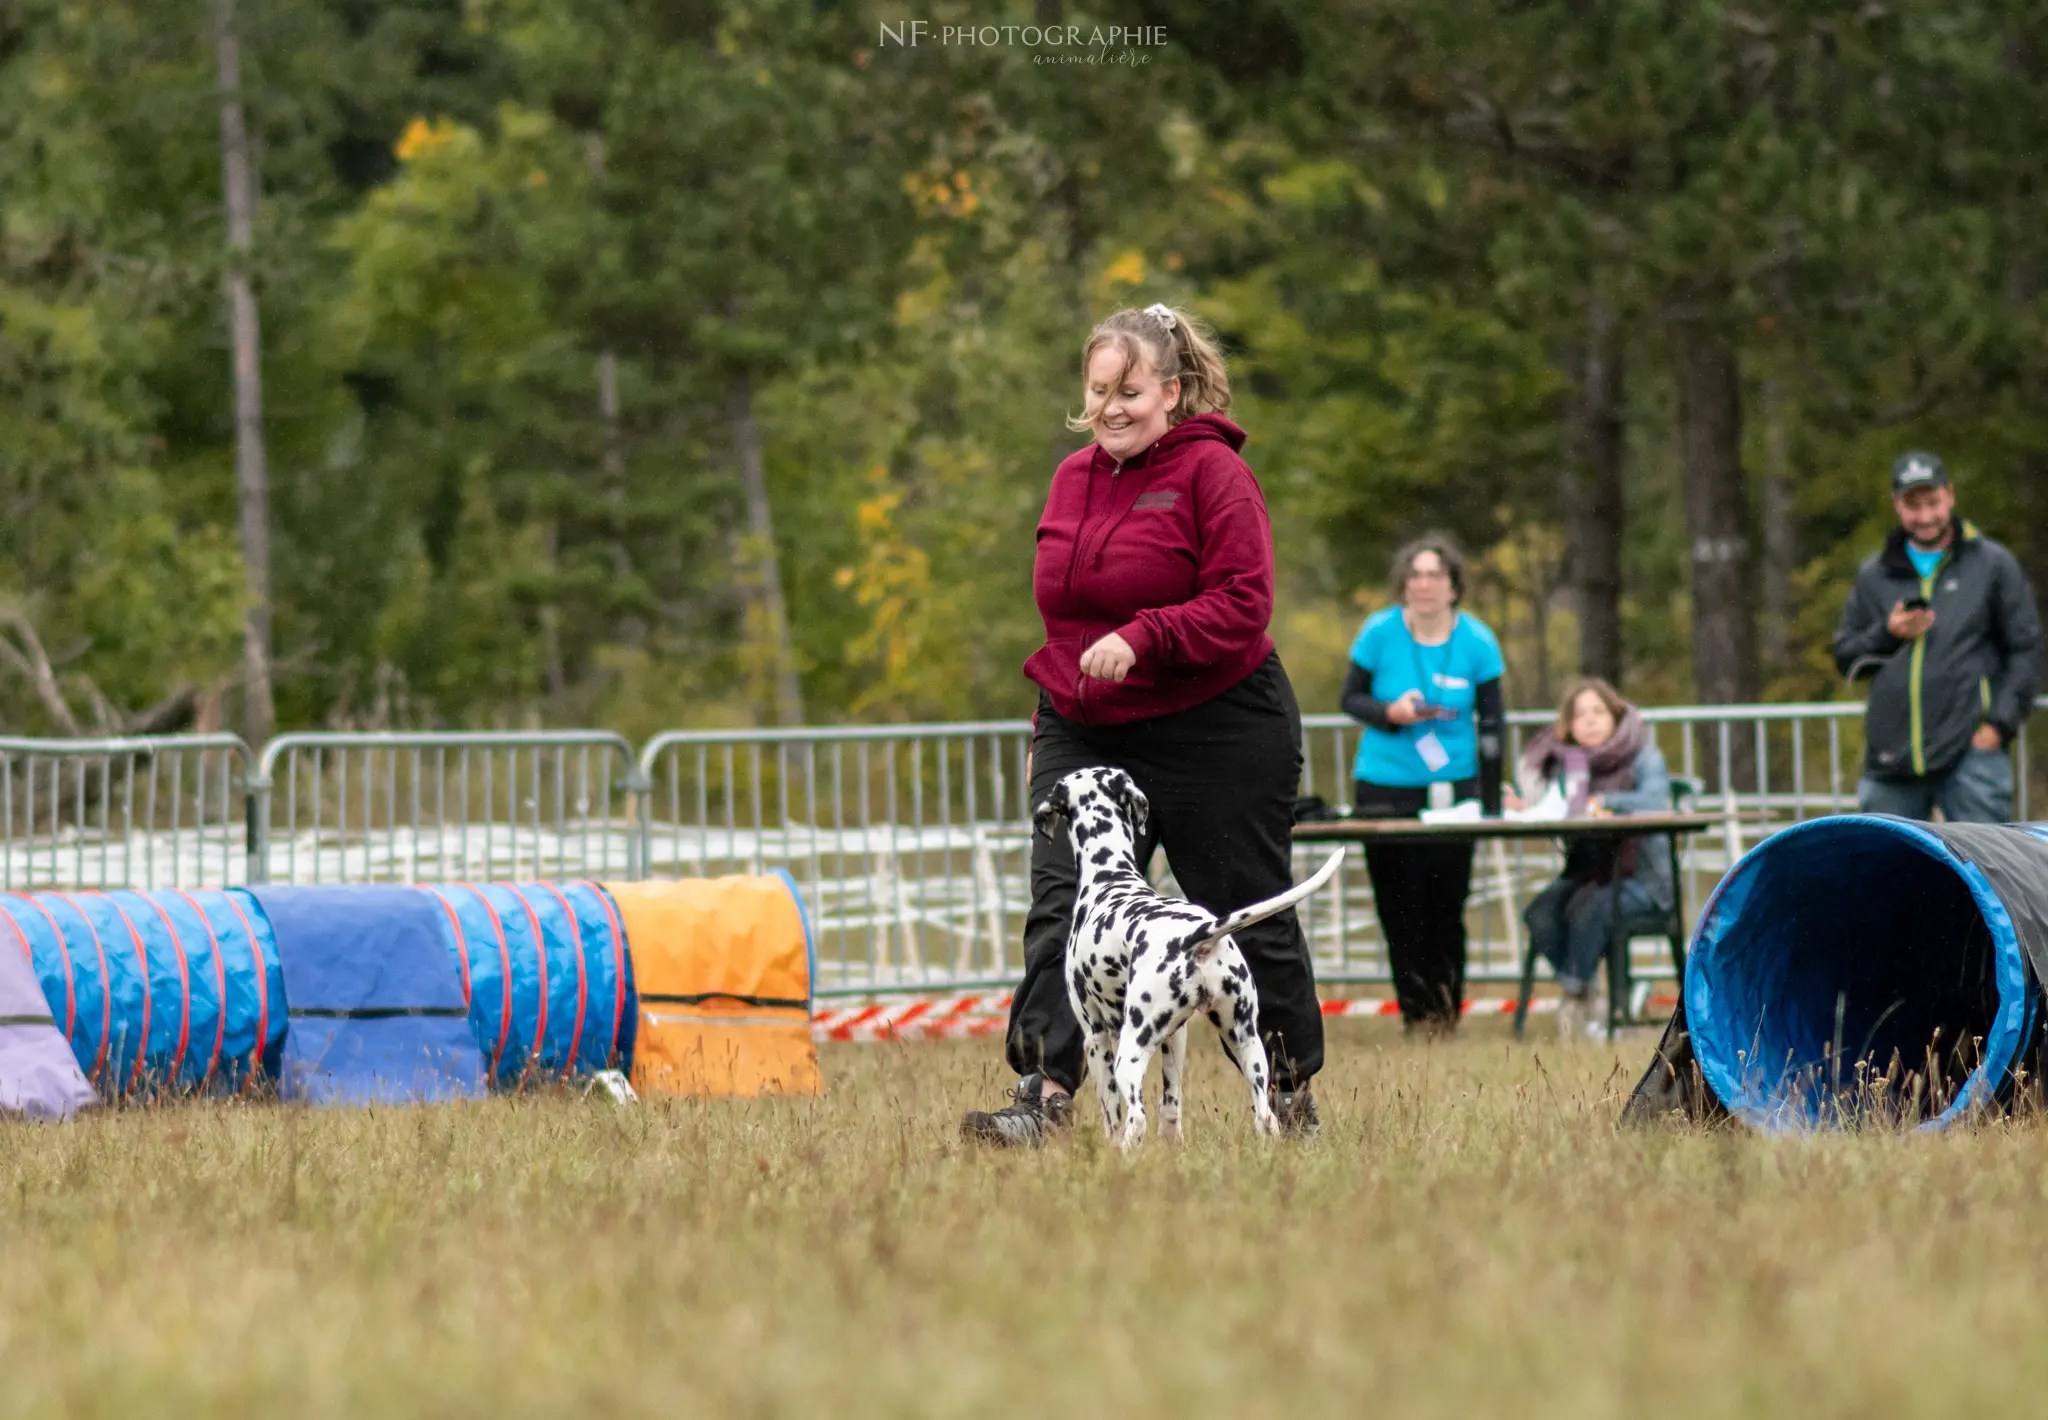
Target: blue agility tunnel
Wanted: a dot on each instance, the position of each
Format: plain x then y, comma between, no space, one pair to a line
377,1007
345,994
166,991
548,976
1863,969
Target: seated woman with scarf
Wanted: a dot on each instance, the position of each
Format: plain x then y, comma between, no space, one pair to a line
1601,756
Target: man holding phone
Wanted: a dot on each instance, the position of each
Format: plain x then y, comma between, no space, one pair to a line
1945,620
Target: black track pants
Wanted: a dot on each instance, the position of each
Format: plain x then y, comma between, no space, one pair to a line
1420,890
1221,779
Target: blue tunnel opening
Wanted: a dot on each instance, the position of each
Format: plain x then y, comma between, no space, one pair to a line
1855,970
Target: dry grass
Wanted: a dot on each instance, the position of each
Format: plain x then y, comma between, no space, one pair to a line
1470,1238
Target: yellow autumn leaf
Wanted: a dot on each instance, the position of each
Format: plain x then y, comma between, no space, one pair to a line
422,136
1128,268
872,514
418,134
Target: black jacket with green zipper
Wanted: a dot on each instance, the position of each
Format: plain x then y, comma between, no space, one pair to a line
1978,664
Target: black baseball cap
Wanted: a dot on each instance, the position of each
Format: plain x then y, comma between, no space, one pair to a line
1917,470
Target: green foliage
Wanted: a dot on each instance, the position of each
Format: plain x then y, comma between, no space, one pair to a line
476,215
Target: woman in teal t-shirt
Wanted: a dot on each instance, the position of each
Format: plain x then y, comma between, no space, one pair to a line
1425,681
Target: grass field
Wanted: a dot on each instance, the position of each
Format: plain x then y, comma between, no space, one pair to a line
1470,1237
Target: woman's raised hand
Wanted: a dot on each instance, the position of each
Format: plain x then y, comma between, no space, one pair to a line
1111,658
1405,711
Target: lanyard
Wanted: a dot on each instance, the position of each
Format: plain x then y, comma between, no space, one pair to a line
1422,671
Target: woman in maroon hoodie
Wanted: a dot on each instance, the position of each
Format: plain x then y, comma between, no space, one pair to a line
1154,575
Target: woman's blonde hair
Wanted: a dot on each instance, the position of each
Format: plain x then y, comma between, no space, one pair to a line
1609,696
1177,345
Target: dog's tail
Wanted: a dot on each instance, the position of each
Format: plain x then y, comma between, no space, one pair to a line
1271,907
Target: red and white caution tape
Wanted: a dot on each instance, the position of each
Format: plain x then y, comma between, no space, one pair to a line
980,1014
915,1018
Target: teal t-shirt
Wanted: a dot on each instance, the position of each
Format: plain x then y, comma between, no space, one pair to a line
1925,562
1448,675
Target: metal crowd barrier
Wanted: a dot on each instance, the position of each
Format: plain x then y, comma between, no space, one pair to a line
911,843
356,808
146,811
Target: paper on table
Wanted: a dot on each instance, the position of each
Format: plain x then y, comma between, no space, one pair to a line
1464,811
1547,809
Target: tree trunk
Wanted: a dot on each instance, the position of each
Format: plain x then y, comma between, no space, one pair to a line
746,437
1716,519
1592,496
633,631
1780,536
551,625
252,477
608,411
1541,583
632,628
1716,524
2029,487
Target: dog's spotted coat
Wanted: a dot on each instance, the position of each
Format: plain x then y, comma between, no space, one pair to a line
1140,966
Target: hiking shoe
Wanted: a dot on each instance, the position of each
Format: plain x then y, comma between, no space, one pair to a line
1025,1123
1296,1111
1574,1014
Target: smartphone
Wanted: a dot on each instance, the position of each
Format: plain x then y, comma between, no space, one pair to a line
1440,712
1916,603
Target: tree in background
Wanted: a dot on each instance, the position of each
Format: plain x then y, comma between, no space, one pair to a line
705,363
252,475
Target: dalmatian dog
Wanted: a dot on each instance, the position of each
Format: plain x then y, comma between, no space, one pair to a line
1140,966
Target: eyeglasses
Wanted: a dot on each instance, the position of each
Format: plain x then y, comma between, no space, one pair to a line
1428,574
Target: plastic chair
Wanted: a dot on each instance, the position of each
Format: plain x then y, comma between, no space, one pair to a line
1625,927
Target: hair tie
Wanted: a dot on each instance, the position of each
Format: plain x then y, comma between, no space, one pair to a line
1163,312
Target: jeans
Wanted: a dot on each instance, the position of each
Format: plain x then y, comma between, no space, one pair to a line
1977,790
1569,924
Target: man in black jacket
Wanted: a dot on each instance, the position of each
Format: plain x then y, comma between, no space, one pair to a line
1945,618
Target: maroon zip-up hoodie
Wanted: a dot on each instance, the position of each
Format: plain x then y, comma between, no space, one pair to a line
1172,551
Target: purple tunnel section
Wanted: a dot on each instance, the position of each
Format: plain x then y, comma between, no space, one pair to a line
39,1076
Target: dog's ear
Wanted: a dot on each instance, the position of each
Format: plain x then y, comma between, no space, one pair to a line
1052,811
1127,792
